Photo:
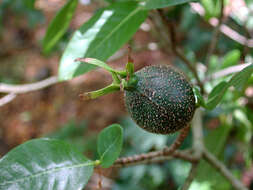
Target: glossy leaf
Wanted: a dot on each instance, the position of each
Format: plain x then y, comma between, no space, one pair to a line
231,58
240,79
44,164
155,4
59,25
199,98
101,37
216,94
110,142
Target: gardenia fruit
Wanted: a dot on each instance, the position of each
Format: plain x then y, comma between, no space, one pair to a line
162,101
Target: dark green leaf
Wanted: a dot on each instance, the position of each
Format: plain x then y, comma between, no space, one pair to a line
101,37
59,25
212,8
216,94
29,3
155,4
231,58
44,164
110,142
240,79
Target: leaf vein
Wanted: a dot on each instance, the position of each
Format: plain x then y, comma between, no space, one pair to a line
46,172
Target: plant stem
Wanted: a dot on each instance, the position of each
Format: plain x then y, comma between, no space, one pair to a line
190,177
215,36
150,159
211,159
98,63
170,39
167,151
197,130
115,78
95,94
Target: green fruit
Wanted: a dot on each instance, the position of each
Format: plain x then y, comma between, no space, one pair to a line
162,101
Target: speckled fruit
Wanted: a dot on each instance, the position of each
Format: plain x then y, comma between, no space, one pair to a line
162,101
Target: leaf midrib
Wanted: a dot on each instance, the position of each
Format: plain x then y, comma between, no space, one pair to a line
115,29
114,142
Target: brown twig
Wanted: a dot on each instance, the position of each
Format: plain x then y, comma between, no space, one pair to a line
229,70
229,32
6,99
211,159
197,131
184,155
13,90
215,35
190,177
176,50
21,89
198,147
168,151
246,48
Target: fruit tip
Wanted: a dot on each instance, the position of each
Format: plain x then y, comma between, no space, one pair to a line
85,96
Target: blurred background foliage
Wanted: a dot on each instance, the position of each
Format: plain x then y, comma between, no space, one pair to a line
58,112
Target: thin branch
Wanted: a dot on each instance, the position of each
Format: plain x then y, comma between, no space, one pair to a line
230,70
172,37
198,144
6,99
184,155
167,151
215,35
21,89
194,71
236,36
246,49
229,32
211,159
160,30
190,177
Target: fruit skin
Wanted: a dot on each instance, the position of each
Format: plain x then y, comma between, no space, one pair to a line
162,101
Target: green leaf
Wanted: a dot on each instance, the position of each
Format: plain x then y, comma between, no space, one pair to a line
231,58
110,142
101,37
29,3
101,64
156,4
216,94
240,79
199,97
44,164
59,25
212,8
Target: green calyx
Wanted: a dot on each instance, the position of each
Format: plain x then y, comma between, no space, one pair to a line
122,79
